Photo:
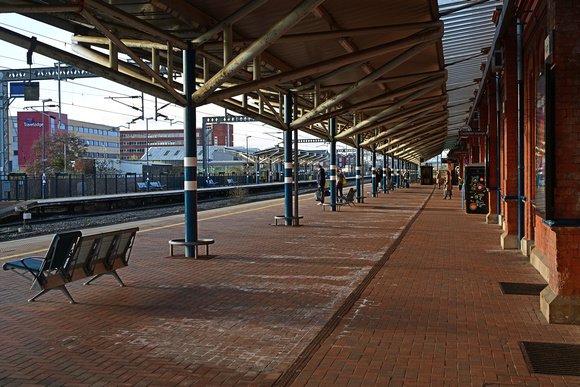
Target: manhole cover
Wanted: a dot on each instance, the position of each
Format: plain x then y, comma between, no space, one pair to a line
551,358
521,289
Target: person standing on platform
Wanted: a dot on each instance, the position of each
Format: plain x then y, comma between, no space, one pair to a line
321,181
379,178
438,179
389,183
448,187
340,179
407,178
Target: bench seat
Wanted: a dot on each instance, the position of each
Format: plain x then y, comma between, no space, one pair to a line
72,257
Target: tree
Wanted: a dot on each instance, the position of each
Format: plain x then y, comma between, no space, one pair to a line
106,167
63,151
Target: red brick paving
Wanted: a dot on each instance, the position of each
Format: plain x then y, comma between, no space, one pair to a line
433,315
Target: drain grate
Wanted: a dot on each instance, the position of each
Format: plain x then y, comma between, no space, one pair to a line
551,358
521,289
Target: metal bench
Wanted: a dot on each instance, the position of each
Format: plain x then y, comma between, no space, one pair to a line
199,242
142,186
156,186
211,183
231,182
294,219
349,198
72,257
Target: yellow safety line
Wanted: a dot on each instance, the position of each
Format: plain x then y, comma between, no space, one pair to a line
161,227
28,254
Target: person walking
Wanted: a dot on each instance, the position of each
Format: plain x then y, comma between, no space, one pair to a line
321,181
438,180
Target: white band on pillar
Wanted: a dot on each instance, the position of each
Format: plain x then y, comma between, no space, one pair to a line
190,185
288,180
333,167
190,161
288,165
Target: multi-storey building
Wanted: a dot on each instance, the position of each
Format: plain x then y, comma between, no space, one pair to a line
28,126
134,142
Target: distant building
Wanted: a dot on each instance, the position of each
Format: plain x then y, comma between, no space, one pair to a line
27,127
135,141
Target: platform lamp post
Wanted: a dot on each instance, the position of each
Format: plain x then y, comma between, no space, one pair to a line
44,101
247,161
147,148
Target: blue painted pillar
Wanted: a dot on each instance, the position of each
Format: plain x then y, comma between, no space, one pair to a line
332,164
359,177
385,165
258,170
190,159
374,174
398,172
392,173
288,160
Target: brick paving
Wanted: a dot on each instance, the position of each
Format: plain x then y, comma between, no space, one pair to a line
429,313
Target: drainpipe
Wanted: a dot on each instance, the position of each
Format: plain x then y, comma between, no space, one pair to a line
521,197
498,117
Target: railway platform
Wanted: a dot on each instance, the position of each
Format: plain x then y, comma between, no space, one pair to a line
405,289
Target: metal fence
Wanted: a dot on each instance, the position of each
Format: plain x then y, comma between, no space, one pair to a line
21,186
30,187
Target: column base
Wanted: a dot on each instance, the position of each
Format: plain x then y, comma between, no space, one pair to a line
500,220
491,219
508,241
559,309
539,261
526,246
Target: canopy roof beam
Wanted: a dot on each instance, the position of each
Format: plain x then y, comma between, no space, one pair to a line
277,30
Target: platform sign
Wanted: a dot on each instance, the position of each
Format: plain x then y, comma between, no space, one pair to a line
476,197
30,91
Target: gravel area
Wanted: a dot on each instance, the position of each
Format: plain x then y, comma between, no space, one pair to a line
63,223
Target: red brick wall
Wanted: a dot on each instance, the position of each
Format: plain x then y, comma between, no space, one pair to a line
566,16
561,245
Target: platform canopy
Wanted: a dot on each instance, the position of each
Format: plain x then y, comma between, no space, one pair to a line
376,66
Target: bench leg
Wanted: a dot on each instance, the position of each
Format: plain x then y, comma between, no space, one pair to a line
62,288
113,273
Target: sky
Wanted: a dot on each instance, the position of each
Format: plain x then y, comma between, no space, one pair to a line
91,99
